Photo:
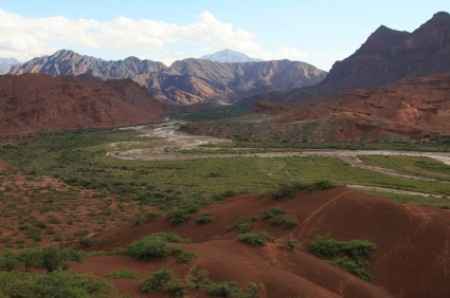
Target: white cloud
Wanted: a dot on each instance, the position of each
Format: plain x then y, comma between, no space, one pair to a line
26,37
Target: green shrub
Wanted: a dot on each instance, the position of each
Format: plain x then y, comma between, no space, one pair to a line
8,262
351,256
51,258
149,248
277,217
253,238
162,281
51,285
203,219
288,191
157,246
330,248
244,225
182,256
271,213
179,216
157,282
223,289
122,274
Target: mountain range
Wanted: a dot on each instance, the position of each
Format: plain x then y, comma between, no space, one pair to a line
6,64
186,82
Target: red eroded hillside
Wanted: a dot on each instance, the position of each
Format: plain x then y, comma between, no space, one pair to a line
416,108
34,103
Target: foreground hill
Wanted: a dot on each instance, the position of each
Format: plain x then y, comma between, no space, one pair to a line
413,109
33,103
187,81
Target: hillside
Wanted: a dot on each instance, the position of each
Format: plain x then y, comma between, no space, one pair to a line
34,103
411,110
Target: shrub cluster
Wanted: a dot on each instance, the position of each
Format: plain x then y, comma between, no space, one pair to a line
352,255
253,238
199,280
163,281
288,191
158,246
278,218
51,259
55,285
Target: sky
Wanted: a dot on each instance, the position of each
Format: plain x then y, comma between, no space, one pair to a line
319,32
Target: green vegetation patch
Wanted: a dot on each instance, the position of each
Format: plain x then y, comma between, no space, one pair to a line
199,280
352,256
159,246
51,259
278,218
288,191
55,285
253,238
411,165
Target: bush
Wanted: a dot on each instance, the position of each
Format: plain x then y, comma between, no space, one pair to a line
8,262
148,249
203,219
182,256
244,225
223,289
351,256
122,274
54,285
157,282
330,248
277,217
288,191
162,281
159,245
254,239
179,216
51,259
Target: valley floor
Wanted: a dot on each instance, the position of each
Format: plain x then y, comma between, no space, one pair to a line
249,216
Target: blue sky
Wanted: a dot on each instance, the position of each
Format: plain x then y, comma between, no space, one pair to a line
316,31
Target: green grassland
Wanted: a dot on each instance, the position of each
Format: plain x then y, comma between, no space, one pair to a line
79,159
421,166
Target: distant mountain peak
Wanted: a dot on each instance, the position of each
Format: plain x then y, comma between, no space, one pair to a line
229,56
6,64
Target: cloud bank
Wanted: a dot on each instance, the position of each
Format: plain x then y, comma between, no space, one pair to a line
26,37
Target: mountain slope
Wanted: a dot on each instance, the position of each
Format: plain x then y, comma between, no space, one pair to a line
6,64
415,109
32,103
229,56
188,81
389,55
193,81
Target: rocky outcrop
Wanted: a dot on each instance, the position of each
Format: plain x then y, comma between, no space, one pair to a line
389,55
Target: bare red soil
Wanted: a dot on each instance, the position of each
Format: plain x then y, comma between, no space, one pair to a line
412,257
44,211
34,103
